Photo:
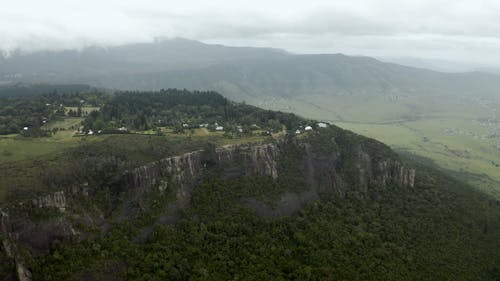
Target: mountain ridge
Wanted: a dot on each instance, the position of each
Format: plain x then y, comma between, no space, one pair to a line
424,107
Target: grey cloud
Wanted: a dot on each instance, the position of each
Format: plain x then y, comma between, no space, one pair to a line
424,28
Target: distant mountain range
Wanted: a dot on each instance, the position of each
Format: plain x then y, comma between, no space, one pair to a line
241,73
330,87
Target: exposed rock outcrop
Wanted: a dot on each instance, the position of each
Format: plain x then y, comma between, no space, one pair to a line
186,170
11,250
255,159
324,173
55,200
181,174
391,171
330,173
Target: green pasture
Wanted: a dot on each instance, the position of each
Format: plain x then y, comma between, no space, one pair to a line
475,159
23,161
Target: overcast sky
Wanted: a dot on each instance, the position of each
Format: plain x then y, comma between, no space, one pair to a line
460,30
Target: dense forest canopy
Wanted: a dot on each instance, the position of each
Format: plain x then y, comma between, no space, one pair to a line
438,229
175,108
441,230
178,109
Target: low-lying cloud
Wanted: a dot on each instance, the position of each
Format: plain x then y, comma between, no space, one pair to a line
466,30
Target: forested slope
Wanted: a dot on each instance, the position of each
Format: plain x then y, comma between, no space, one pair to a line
264,203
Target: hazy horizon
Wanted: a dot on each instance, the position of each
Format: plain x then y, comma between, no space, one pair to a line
460,31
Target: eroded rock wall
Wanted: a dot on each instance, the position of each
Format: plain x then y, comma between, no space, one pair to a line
181,174
333,173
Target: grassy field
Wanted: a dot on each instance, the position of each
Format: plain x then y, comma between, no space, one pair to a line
14,148
23,161
21,158
17,148
64,123
475,160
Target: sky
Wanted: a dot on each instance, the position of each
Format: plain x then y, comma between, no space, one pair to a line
455,30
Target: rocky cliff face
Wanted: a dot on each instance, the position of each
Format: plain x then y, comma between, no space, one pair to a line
393,172
9,246
331,173
56,200
324,173
181,174
184,171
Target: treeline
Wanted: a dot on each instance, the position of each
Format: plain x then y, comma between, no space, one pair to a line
27,90
184,109
140,111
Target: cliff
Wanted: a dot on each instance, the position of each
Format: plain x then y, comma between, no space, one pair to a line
323,173
179,175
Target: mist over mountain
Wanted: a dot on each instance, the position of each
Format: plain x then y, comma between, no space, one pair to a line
249,74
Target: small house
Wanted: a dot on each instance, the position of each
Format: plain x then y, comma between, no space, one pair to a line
297,132
185,125
122,129
219,128
25,128
308,128
90,132
322,125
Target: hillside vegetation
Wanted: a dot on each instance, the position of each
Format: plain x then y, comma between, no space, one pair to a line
449,118
162,201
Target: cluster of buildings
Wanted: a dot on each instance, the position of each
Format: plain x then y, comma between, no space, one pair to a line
121,129
310,128
220,128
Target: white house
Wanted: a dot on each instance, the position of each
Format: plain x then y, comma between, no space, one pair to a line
219,128
25,128
122,129
185,125
322,125
90,132
308,128
297,132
